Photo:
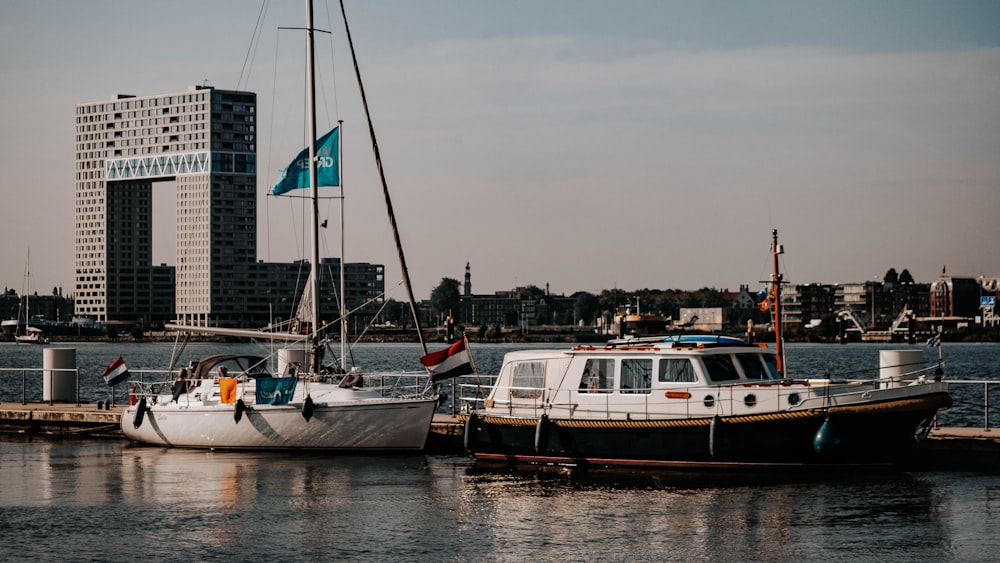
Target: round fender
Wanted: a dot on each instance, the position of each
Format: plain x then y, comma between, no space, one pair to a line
240,407
308,407
715,437
542,434
470,433
827,442
140,413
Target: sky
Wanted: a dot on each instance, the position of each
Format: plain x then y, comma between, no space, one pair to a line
579,145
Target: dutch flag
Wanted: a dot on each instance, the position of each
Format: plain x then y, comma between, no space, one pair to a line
450,362
115,373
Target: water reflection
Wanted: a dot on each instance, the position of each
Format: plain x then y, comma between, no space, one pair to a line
105,500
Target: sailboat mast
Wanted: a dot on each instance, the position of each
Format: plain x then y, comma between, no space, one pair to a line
776,290
311,102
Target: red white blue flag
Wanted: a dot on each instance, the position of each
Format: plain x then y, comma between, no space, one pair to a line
450,362
115,373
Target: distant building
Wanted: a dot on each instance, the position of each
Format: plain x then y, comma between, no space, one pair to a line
204,140
955,297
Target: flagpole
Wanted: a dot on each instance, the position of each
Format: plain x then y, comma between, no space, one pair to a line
343,256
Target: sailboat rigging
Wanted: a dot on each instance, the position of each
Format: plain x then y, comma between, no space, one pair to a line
301,407
30,334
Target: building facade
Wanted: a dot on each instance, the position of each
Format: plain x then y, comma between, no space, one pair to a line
204,140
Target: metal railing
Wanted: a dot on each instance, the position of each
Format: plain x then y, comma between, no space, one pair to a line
965,396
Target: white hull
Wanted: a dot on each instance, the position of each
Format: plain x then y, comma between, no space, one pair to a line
369,424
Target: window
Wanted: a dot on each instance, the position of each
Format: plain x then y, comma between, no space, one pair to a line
637,376
598,376
752,366
771,363
720,368
527,379
677,370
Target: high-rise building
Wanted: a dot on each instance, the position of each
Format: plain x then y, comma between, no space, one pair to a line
204,140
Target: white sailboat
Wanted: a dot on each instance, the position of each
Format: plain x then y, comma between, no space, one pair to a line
232,402
29,334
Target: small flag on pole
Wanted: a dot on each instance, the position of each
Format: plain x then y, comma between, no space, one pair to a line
450,362
115,373
934,341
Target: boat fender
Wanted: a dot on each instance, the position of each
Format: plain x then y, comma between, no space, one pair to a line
240,408
542,434
308,407
140,413
715,437
827,441
470,433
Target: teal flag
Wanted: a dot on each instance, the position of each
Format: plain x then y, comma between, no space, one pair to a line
296,175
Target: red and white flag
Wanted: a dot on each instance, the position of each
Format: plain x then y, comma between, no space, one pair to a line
450,362
115,373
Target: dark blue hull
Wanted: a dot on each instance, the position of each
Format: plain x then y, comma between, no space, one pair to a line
875,435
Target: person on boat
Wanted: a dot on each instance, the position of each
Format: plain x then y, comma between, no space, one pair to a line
223,372
181,385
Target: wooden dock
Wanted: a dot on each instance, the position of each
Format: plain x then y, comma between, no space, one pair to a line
946,449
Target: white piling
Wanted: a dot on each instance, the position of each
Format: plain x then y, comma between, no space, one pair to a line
59,374
893,364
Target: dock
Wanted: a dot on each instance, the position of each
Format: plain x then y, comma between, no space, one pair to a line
945,449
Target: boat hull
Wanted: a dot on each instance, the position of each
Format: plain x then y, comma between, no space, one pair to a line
389,425
875,433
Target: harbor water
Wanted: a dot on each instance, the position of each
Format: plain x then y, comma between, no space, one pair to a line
108,500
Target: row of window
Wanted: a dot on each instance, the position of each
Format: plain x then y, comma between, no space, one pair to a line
635,375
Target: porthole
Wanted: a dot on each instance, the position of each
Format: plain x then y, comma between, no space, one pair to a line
794,399
709,401
750,400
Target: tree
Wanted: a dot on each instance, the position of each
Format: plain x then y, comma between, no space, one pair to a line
446,297
393,311
891,277
905,276
586,306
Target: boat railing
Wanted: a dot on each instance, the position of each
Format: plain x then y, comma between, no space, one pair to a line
972,399
26,385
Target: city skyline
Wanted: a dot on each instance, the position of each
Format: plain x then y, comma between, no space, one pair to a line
649,144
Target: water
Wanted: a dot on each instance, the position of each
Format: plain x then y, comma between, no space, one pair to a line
103,500
106,500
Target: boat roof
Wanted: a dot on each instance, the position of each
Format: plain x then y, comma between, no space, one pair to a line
704,343
245,363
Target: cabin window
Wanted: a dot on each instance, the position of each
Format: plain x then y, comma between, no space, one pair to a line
677,370
598,376
720,368
752,366
527,379
771,364
637,376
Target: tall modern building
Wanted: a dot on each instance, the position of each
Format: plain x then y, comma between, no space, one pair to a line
204,140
